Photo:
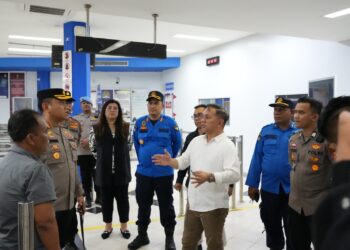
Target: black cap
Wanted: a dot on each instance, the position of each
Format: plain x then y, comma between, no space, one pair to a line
59,94
282,102
333,105
155,95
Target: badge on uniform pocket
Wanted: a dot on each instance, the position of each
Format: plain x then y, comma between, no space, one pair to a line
315,167
56,155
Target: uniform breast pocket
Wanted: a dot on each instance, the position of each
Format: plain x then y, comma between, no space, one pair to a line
55,158
270,146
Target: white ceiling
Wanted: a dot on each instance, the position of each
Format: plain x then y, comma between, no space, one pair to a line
132,20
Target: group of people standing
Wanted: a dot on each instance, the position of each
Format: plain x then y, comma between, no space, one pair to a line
291,160
48,147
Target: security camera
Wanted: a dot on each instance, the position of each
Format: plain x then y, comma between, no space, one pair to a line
117,80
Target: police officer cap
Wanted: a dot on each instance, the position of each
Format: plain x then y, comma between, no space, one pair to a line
333,105
155,95
85,99
58,94
282,102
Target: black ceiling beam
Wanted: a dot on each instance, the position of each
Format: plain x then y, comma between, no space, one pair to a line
119,48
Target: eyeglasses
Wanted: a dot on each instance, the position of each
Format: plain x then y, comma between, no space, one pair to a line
197,116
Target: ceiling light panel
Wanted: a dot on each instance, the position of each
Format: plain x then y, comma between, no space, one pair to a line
175,50
33,38
39,51
198,38
338,13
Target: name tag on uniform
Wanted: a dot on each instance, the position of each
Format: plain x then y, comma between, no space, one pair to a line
164,130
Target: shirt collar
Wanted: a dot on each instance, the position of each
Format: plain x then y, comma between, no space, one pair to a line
18,149
216,138
291,125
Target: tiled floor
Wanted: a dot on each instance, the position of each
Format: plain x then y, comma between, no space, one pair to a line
243,228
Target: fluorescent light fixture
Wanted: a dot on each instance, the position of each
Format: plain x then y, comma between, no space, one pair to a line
39,51
175,50
338,13
33,38
199,38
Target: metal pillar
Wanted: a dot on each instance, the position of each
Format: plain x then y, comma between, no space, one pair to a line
26,226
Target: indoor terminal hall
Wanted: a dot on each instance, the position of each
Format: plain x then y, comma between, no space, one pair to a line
157,124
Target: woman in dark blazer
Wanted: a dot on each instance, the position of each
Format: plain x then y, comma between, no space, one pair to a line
108,142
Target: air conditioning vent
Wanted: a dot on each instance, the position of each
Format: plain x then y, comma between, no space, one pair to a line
112,63
46,10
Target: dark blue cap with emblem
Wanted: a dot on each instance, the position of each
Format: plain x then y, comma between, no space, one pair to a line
282,102
58,94
155,95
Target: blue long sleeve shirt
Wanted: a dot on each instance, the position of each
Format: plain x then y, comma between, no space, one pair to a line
150,139
270,160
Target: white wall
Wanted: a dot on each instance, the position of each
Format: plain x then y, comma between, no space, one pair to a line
251,72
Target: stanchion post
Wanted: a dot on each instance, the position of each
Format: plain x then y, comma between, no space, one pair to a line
181,204
26,225
233,198
240,150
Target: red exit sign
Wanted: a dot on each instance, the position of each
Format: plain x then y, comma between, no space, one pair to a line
213,61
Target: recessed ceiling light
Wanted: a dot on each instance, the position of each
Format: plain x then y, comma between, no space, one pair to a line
33,38
338,13
175,50
40,51
199,38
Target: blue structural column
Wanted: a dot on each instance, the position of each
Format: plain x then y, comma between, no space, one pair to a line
43,80
80,64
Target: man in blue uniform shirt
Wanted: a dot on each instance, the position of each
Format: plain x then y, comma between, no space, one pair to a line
152,134
270,164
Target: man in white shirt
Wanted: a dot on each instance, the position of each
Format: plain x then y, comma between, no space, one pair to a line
214,165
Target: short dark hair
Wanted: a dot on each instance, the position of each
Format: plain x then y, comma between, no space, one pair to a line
200,106
220,112
316,106
40,103
22,123
328,122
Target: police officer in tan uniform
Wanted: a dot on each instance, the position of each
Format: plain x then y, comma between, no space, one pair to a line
74,127
86,161
310,174
61,158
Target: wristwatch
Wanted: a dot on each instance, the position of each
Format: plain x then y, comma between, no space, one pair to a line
211,177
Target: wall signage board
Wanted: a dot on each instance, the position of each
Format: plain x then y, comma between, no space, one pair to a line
67,70
213,61
169,97
17,86
322,90
124,98
4,85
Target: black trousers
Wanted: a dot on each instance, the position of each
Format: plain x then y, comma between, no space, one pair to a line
274,210
163,187
120,194
87,164
300,230
66,222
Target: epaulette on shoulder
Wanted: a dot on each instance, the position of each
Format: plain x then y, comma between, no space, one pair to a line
319,138
268,125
